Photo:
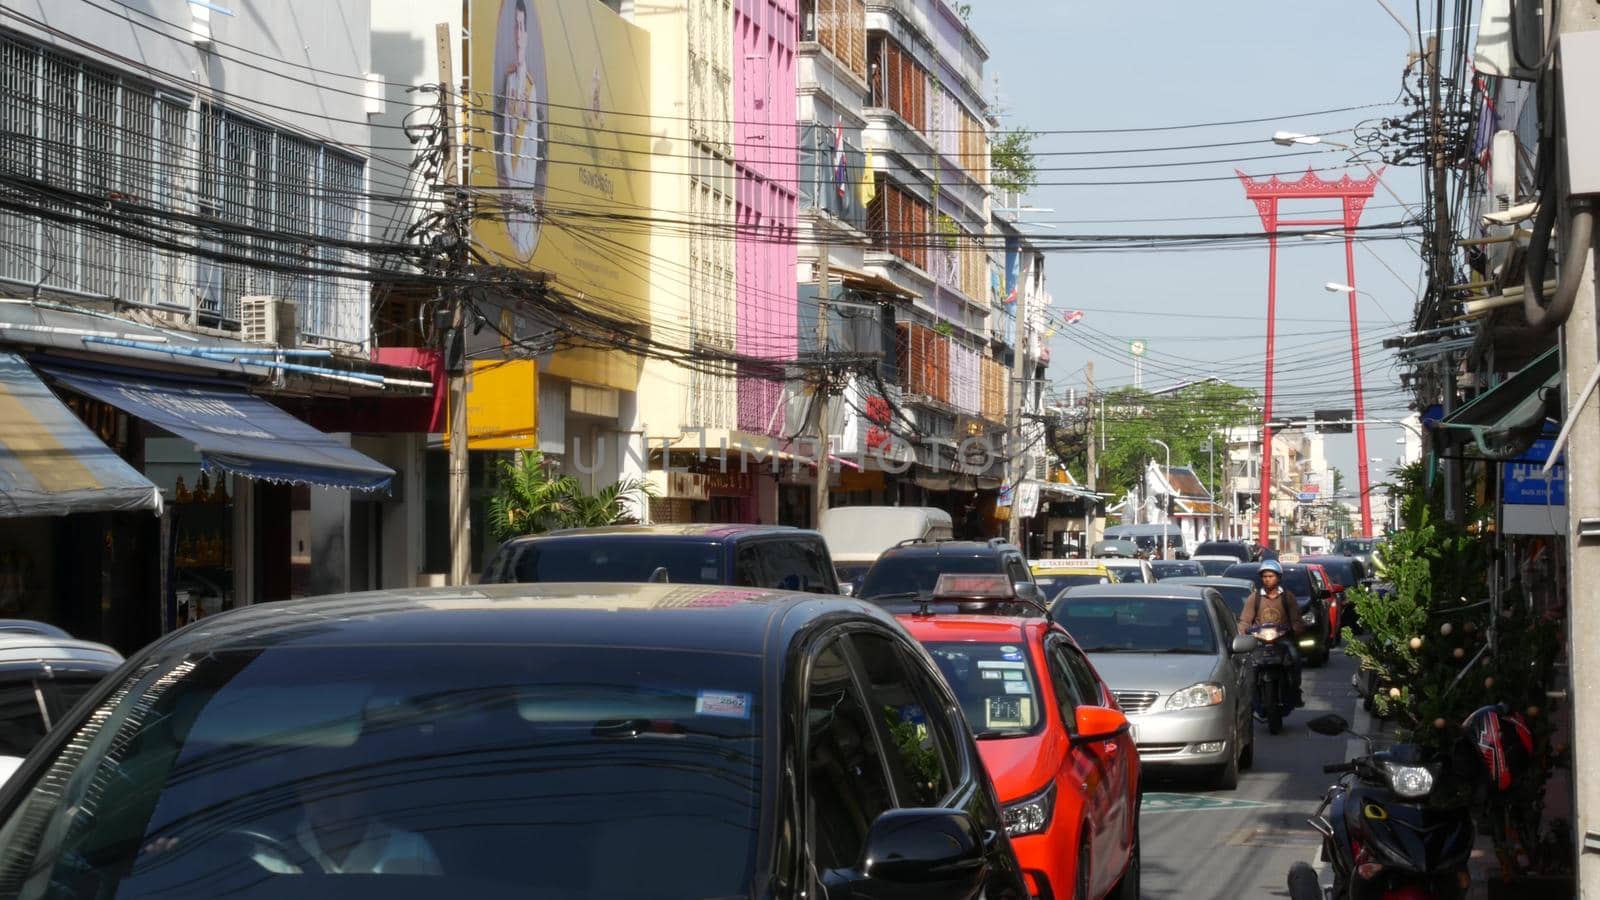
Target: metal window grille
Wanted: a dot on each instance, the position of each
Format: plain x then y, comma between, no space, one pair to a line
75,126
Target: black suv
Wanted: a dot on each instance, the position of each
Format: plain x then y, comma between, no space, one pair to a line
1236,549
763,556
912,568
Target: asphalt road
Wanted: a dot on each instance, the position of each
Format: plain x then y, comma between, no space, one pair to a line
1195,850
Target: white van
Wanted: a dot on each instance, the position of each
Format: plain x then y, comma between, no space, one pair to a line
856,535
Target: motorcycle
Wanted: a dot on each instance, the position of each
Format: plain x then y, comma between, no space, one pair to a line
1274,675
1396,826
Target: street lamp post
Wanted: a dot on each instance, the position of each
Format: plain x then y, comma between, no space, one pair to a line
1211,479
1355,374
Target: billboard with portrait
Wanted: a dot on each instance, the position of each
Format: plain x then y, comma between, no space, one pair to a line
558,122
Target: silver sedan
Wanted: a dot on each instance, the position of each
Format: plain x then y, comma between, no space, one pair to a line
1171,655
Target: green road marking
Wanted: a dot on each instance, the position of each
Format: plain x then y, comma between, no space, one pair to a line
1160,803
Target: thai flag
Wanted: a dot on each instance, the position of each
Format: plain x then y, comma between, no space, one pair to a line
841,172
1072,317
1488,124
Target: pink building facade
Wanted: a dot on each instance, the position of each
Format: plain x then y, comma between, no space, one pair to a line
766,156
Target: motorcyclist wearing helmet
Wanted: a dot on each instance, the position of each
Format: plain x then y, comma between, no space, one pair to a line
1273,604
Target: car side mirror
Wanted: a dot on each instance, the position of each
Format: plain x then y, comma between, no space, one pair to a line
847,588
1244,643
1331,725
922,853
1027,590
1098,723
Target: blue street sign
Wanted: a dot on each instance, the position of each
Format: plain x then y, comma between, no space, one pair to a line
1523,483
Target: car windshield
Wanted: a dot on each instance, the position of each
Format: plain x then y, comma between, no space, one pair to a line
1171,568
917,573
1352,546
608,559
849,572
1053,585
1234,596
1217,566
1137,625
996,684
1126,571
403,771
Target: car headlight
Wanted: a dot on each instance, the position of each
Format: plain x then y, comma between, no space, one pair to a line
1032,815
1309,618
1195,696
1409,781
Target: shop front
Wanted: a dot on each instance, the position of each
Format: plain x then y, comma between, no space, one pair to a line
243,484
78,522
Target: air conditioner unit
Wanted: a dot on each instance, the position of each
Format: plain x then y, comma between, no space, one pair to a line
268,320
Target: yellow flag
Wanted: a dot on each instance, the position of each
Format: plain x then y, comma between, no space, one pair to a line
869,182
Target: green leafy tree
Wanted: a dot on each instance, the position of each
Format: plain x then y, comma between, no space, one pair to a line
1012,161
1185,420
531,499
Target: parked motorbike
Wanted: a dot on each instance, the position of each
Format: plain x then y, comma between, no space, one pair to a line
1396,826
1274,675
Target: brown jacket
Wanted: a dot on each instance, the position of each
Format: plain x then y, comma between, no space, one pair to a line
1291,610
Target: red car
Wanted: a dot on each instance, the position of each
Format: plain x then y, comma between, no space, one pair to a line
1335,600
1058,748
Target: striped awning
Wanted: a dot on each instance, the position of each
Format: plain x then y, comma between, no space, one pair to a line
51,464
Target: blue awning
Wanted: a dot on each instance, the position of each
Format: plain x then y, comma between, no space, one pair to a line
51,464
234,431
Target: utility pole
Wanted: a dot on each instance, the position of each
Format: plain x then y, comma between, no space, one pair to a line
1092,472
1092,466
1576,37
819,399
1442,270
1019,391
454,349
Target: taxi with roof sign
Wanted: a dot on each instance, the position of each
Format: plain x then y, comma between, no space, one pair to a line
1056,575
1058,748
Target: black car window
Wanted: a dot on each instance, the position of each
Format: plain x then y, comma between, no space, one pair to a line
69,690
612,559
21,719
1234,598
796,564
1226,620
1083,677
815,575
846,788
1069,695
919,572
920,765
486,765
749,566
1216,566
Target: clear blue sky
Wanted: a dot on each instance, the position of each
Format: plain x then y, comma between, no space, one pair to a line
1067,64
